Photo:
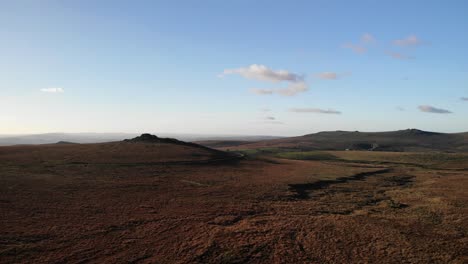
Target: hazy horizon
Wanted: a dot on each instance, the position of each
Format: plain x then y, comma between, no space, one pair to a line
218,135
233,68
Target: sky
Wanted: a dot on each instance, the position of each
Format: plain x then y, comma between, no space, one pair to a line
233,67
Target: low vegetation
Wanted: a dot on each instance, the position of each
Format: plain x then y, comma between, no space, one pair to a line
74,203
306,155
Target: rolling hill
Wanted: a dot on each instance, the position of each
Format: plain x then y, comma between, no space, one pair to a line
401,141
50,138
143,149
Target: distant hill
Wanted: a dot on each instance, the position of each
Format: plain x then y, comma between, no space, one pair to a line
222,143
50,138
401,140
139,150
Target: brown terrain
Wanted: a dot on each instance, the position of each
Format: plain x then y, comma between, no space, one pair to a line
152,200
409,140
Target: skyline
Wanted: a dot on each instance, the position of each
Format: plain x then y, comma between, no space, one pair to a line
233,68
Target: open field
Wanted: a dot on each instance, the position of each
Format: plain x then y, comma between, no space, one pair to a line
133,203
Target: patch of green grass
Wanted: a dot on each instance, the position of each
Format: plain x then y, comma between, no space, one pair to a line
306,155
263,151
430,159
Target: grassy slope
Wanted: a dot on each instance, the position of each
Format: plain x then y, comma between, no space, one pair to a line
433,159
404,140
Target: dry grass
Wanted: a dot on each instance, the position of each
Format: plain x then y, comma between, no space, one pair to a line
56,211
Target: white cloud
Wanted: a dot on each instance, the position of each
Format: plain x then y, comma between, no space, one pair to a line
270,118
315,110
52,90
367,38
263,73
464,98
399,108
431,109
411,40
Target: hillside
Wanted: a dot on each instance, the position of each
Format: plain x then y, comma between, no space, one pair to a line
50,138
143,149
158,200
401,141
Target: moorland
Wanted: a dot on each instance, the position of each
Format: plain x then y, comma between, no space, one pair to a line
155,200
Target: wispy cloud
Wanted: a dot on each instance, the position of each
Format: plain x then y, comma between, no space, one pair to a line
265,109
270,118
262,91
464,98
293,89
359,49
431,109
328,75
52,90
268,121
274,122
290,90
263,73
315,110
367,38
399,56
399,108
331,75
296,82
411,40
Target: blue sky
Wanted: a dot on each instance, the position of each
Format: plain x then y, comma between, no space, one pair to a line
233,67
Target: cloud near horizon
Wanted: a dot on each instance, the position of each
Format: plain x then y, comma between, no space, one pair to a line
290,90
52,90
261,91
411,40
263,73
274,122
315,110
434,110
